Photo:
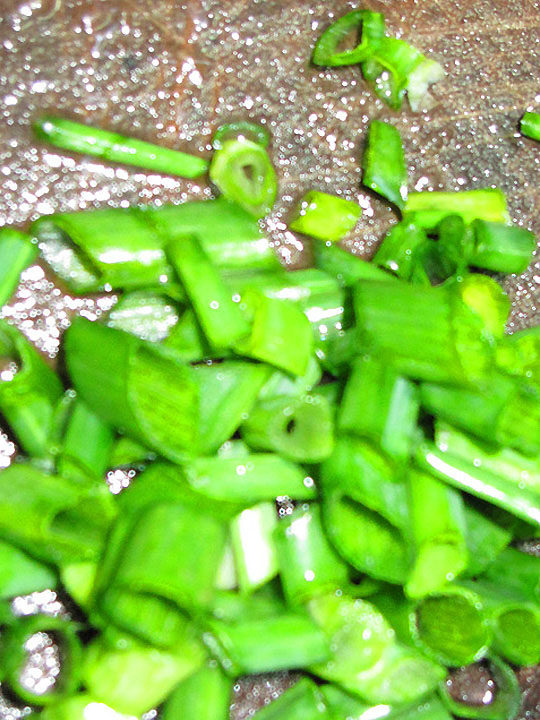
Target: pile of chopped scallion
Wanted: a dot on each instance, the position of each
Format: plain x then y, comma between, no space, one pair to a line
382,398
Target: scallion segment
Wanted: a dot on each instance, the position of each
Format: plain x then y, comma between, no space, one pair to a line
324,216
530,125
370,29
384,163
16,252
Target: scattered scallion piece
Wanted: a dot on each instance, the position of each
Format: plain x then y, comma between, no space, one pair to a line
16,252
370,29
502,248
530,125
429,208
242,130
324,216
384,163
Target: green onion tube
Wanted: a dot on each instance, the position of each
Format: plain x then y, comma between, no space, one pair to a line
221,318
501,248
134,386
384,163
324,216
429,208
345,267
518,571
297,286
133,678
242,171
485,297
77,137
396,252
241,130
253,546
188,340
285,641
51,518
505,704
485,539
30,394
455,243
464,475
530,125
20,574
299,429
16,252
425,332
149,315
205,695
248,478
370,27
309,565
366,658
301,702
439,532
14,653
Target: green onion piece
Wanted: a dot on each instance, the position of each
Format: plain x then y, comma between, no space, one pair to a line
396,252
135,678
280,383
253,546
274,324
438,529
329,314
77,137
325,217
78,579
227,577
29,392
146,314
21,575
227,393
385,171
81,707
15,651
395,68
530,125
505,412
366,658
425,332
487,299
429,265
188,341
134,386
381,405
221,318
242,130
485,539
506,700
299,429
285,641
301,702
86,446
345,267
455,243
205,695
519,354
248,478
464,475
502,248
365,510
232,607
126,451
16,252
309,565
243,172
429,208
229,235
344,706
51,518
370,30
519,571
298,286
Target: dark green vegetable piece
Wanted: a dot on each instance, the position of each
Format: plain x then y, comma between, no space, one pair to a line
504,704
345,267
241,130
429,208
30,392
298,428
309,565
485,539
134,386
16,252
205,695
15,648
502,248
530,125
370,29
86,445
20,574
385,171
301,702
324,216
77,137
455,243
396,252
242,171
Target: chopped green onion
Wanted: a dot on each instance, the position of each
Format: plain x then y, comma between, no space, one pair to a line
530,125
345,267
429,208
370,28
16,252
396,252
242,130
242,171
205,695
344,706
301,702
324,216
148,315
384,163
81,707
77,137
253,546
502,248
485,539
20,574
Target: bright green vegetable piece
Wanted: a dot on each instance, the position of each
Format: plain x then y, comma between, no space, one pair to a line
370,30
81,707
78,578
429,208
530,125
242,171
16,252
484,296
86,445
281,383
205,695
385,171
324,216
253,546
301,702
114,147
308,563
502,248
345,267
148,315
344,706
241,130
485,539
21,575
